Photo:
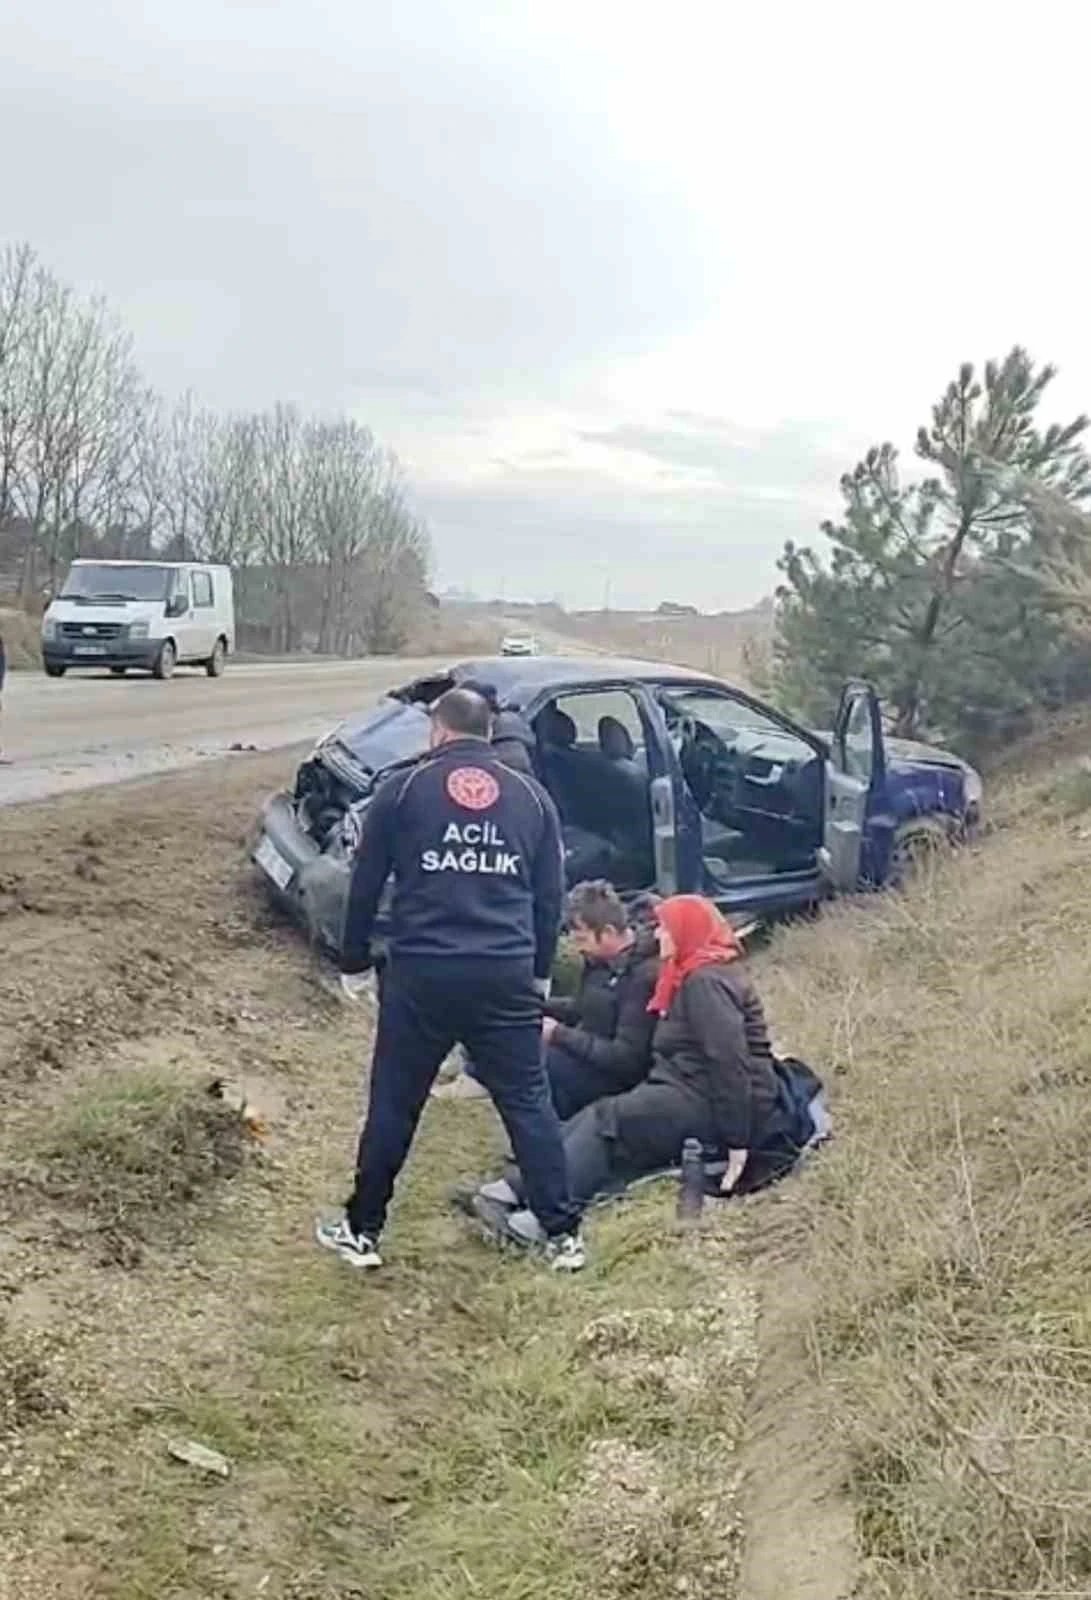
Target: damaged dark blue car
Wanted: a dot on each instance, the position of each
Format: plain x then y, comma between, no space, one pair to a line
665,779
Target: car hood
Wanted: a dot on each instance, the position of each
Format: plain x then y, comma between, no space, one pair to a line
382,737
95,611
906,753
909,753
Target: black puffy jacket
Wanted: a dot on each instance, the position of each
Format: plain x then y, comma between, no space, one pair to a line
608,1024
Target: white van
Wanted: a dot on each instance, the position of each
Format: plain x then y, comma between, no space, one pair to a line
152,615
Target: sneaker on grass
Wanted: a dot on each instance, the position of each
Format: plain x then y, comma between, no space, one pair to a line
462,1087
356,1249
565,1253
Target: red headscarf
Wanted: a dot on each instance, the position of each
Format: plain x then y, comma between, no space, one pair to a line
701,937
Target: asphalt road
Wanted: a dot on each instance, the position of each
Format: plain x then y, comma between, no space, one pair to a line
80,731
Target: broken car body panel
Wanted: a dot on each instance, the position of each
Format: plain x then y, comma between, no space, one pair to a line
665,779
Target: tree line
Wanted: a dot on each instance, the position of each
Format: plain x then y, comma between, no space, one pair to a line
962,590
311,513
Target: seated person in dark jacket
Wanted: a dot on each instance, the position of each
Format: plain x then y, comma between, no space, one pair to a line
599,1042
713,1078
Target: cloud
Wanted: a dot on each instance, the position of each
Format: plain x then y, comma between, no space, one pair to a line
360,214
625,289
784,461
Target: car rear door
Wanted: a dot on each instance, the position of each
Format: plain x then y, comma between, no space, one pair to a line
854,771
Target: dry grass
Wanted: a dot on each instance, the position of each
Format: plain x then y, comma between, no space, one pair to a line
728,646
450,633
948,1228
466,1425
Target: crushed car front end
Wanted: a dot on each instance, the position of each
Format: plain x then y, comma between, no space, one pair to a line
308,834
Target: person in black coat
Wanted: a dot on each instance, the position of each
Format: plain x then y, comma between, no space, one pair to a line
513,742
599,1041
714,1078
474,851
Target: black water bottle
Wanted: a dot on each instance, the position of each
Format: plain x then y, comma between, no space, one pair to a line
691,1184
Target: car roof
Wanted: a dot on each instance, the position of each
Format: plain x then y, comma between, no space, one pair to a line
517,680
96,561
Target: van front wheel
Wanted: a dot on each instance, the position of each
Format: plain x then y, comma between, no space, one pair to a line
165,660
54,670
214,666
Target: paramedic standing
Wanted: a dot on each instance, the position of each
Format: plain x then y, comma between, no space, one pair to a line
477,860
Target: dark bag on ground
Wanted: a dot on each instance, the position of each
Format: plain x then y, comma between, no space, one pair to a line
802,1122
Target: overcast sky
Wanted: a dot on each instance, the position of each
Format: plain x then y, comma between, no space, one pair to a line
611,279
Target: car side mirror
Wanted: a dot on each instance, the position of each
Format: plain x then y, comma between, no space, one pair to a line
177,605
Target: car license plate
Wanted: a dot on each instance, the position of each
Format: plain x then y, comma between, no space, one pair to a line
270,860
89,650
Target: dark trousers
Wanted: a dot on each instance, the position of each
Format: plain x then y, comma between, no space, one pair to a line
493,1011
615,1141
575,1083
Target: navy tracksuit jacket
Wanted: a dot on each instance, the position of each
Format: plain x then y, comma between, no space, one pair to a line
476,854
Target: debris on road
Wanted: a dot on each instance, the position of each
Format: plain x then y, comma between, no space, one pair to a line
235,1099
199,1456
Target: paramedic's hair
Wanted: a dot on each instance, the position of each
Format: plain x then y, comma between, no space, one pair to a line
465,712
597,906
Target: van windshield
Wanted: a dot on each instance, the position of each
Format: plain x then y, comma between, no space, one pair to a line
93,580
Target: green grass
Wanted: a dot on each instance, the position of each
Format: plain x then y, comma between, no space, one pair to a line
464,1424
141,1149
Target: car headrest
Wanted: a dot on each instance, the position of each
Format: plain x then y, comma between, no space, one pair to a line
615,740
510,725
555,727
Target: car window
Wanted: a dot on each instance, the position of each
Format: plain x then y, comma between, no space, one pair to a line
858,746
589,707
202,589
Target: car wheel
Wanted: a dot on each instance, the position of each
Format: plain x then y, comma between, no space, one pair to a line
166,660
214,666
916,848
52,670
118,672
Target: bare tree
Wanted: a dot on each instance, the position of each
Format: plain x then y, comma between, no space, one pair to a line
311,514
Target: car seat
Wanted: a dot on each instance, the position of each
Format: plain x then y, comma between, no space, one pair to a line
615,740
625,815
564,770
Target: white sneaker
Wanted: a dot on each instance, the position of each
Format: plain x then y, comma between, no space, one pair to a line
566,1253
354,1248
502,1192
461,1088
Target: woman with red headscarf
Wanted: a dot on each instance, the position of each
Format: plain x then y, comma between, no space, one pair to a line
714,1077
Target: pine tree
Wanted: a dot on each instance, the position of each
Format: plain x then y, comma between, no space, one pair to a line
934,588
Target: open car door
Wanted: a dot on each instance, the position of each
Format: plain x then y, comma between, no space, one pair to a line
855,768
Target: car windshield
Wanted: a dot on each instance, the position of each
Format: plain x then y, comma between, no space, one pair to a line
722,715
382,740
94,580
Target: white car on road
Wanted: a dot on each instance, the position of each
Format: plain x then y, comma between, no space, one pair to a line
519,644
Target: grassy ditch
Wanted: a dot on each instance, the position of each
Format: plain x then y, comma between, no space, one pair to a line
948,1229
